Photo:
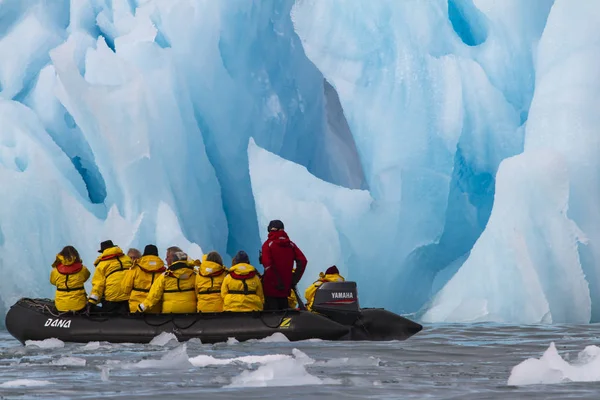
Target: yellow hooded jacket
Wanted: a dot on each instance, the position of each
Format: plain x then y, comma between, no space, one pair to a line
208,286
242,290
139,279
69,276
175,288
310,291
111,266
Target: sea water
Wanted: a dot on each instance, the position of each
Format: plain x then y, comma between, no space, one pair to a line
479,361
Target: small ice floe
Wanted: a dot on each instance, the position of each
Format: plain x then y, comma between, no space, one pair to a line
92,346
206,360
290,371
163,339
277,337
69,362
50,343
176,358
552,368
25,383
232,340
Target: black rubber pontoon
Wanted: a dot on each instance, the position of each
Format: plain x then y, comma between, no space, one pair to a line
338,318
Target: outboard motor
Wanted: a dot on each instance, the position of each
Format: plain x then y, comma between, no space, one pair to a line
338,301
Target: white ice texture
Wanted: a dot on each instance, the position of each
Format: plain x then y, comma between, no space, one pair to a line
441,153
551,368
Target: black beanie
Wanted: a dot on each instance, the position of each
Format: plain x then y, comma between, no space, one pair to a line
275,225
150,250
332,270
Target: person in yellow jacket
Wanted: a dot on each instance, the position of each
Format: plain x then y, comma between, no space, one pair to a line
111,267
139,279
68,275
208,283
241,289
331,275
175,288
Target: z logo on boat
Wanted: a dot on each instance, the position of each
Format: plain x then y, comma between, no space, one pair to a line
58,323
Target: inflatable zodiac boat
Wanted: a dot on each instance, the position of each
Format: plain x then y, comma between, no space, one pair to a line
336,316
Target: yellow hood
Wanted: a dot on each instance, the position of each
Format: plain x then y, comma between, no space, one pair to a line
210,267
180,270
109,254
151,263
242,269
60,259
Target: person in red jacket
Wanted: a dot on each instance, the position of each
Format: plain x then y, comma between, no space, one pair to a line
277,257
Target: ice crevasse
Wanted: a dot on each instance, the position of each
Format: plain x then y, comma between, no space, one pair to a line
440,152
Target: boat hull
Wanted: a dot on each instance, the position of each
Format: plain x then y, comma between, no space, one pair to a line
36,319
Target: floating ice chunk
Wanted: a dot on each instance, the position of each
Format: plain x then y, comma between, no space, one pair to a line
176,358
50,343
277,337
70,362
232,340
283,372
91,346
25,383
551,368
206,360
163,338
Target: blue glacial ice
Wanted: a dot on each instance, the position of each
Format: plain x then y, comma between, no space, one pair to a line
447,145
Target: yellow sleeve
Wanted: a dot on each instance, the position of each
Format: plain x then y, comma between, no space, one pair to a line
98,283
310,294
127,282
86,274
225,286
156,293
259,290
53,276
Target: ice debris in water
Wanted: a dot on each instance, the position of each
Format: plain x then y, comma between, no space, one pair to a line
163,339
91,346
203,360
176,358
277,337
24,383
70,362
232,340
289,371
552,368
50,343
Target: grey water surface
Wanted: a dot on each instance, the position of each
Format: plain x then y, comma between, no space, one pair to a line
443,361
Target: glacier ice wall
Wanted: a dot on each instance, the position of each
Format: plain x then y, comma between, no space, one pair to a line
559,250
376,130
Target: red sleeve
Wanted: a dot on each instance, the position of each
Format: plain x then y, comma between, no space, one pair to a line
267,260
300,262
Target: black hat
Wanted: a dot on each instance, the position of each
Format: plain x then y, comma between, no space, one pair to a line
150,250
107,244
275,225
240,257
332,270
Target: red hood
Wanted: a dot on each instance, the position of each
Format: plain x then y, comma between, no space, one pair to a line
69,269
281,238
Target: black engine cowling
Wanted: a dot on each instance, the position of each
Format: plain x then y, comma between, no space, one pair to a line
338,301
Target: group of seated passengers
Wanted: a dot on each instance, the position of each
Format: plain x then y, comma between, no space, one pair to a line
137,282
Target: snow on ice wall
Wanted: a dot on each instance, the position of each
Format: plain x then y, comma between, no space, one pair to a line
375,130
